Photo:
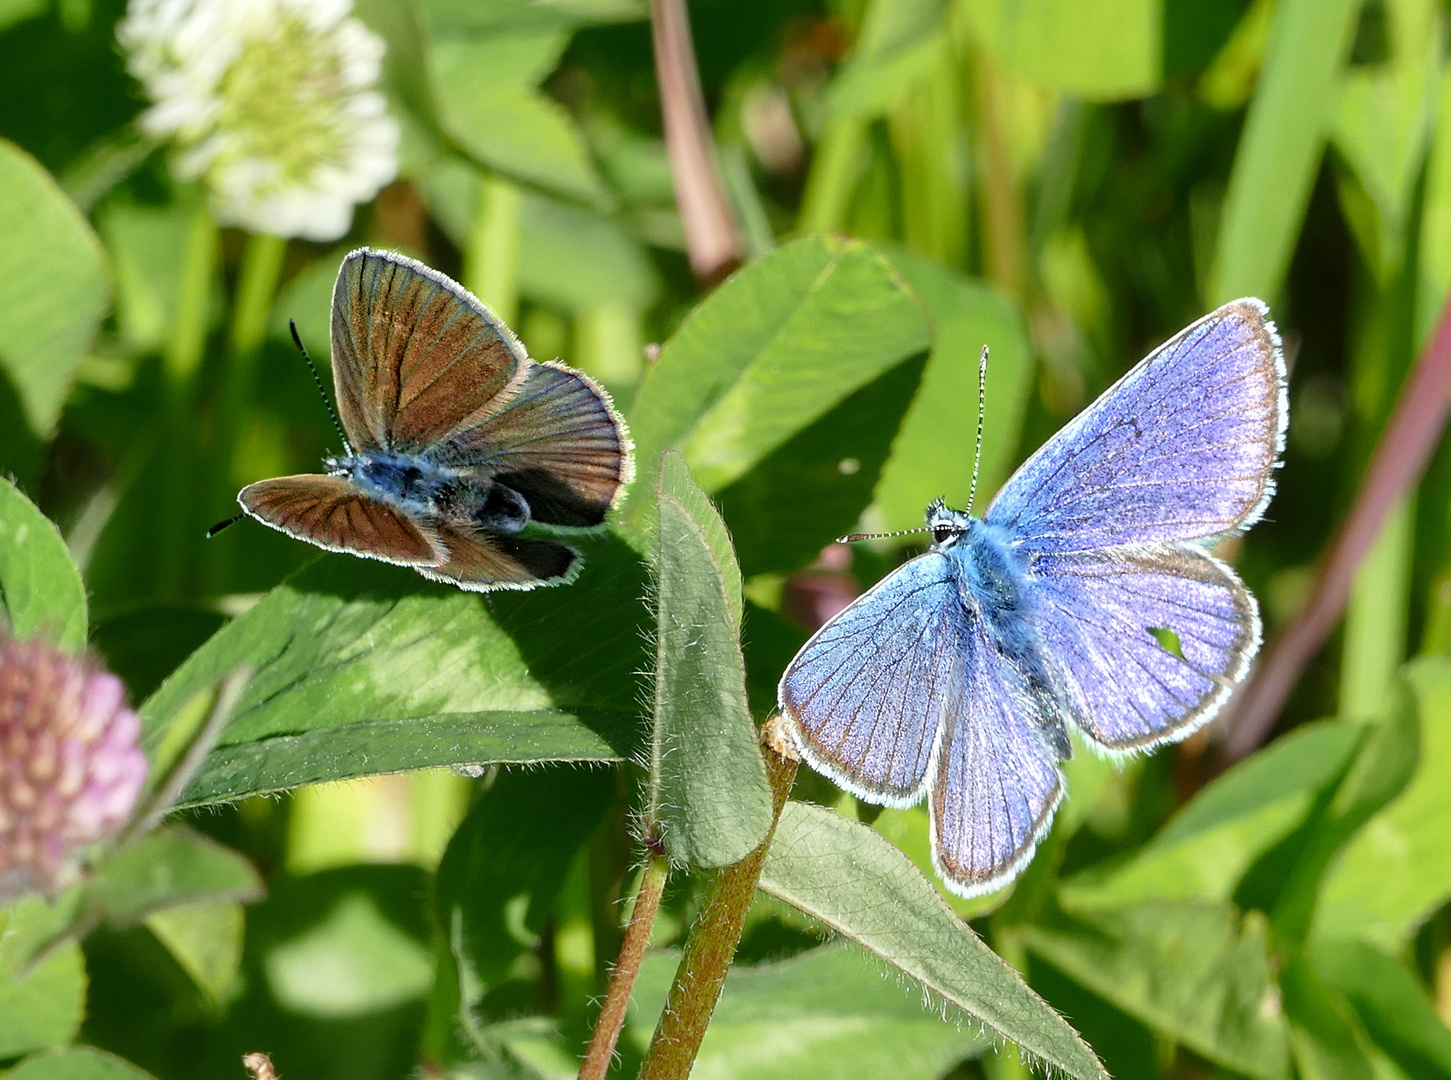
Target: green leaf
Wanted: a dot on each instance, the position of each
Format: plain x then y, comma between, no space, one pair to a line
56,286
768,353
847,876
40,587
41,1005
1197,972
77,1063
1390,1002
362,668
401,24
206,940
1204,851
825,1013
500,878
489,106
1280,148
1397,870
168,868
1105,51
708,795
1326,1040
1382,126
909,829
815,486
146,244
14,11
932,455
526,16
895,47
573,258
345,943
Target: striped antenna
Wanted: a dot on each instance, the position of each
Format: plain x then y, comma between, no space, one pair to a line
327,404
852,538
981,401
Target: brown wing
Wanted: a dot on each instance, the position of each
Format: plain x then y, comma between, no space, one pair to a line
480,562
556,439
414,353
329,512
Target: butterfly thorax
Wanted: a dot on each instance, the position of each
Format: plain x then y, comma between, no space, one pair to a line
992,577
426,490
995,584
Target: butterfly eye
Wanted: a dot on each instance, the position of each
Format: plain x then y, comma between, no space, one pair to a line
942,534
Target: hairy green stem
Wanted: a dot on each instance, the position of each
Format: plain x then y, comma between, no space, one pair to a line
622,980
711,945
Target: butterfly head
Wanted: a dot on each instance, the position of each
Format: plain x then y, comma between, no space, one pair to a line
947,525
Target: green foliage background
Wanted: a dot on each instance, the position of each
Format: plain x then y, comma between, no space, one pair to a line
1067,181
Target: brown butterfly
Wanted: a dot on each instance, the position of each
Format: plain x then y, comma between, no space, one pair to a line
454,439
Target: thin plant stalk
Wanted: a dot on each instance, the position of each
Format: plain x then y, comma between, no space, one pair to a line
712,237
1004,236
491,254
181,360
1404,450
835,168
611,1020
711,944
260,272
256,286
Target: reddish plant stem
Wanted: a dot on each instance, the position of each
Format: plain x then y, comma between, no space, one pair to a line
711,946
712,237
622,980
1405,448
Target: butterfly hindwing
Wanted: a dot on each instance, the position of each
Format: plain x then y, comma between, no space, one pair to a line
329,512
1182,447
996,782
556,439
865,696
414,355
1127,688
478,562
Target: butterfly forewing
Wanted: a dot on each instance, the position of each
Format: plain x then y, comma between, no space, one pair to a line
1183,447
557,441
414,355
866,694
331,513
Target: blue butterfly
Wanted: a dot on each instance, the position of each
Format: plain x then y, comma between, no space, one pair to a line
959,674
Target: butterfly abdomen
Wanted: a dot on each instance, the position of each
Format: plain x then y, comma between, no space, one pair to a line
994,583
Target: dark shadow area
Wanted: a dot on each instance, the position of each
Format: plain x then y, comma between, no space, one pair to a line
813,487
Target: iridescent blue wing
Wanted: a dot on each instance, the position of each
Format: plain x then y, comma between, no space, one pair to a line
415,355
1183,447
996,782
865,696
1127,688
555,438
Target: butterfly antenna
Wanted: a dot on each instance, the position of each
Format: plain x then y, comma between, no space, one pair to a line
981,401
219,526
327,403
852,538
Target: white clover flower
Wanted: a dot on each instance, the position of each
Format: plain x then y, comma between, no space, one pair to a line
272,104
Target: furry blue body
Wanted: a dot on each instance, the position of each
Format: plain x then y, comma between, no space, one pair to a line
425,490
